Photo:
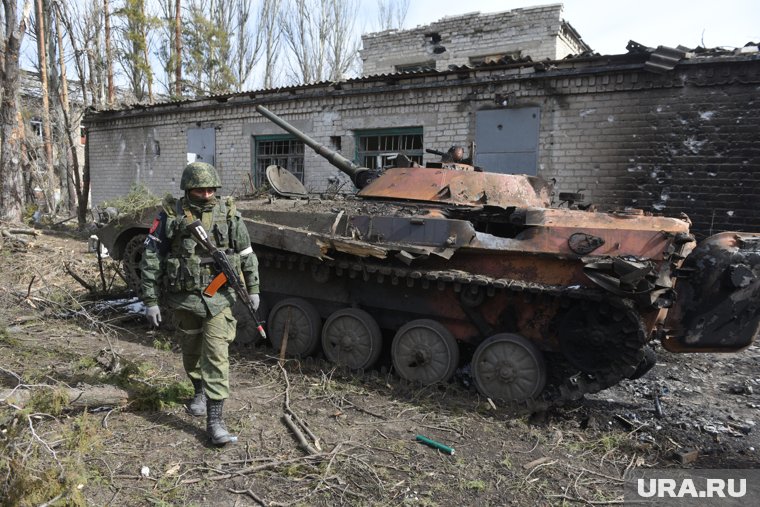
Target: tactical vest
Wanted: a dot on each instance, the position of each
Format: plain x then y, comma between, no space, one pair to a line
189,267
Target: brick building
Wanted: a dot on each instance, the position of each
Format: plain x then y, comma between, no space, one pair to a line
667,131
538,33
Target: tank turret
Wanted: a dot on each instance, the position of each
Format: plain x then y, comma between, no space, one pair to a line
437,185
360,176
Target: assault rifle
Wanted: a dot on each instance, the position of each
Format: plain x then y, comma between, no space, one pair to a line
228,273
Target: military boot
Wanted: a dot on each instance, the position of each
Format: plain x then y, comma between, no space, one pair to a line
215,428
197,406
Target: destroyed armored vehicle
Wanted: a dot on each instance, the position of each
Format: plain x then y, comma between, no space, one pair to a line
447,266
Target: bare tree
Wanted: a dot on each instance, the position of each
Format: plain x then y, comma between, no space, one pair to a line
270,30
304,38
11,135
320,38
247,46
97,63
391,14
169,28
207,42
343,41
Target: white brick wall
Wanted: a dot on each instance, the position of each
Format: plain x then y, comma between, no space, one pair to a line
538,32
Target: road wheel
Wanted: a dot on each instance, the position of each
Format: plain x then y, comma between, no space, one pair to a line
302,323
352,338
508,367
133,253
425,351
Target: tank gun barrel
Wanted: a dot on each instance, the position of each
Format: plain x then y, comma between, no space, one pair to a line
359,175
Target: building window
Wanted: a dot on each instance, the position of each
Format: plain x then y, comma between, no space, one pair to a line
376,147
36,126
284,151
416,67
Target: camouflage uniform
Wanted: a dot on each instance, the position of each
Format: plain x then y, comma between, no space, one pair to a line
175,267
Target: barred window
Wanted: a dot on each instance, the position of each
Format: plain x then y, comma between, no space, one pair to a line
284,151
375,147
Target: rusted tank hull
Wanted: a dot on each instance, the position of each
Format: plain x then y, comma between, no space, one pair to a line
588,291
446,267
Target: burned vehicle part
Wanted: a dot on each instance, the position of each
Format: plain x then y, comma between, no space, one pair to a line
442,265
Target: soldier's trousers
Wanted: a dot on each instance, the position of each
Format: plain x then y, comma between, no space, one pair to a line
205,349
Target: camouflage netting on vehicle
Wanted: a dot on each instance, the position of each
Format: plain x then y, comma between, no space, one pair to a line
134,202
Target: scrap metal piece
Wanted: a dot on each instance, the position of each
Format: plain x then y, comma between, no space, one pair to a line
284,183
718,307
664,59
583,244
621,276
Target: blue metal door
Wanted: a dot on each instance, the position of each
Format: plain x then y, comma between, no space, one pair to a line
201,145
507,140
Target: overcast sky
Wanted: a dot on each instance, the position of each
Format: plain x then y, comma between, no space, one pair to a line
608,25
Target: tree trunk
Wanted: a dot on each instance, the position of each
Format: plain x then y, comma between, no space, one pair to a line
84,195
72,165
46,136
148,71
93,72
178,49
109,59
11,136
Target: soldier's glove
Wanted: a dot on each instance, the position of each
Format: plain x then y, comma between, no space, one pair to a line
255,300
153,314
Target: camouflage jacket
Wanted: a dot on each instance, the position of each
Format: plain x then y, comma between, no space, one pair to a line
176,268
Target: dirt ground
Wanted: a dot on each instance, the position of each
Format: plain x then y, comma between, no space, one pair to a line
53,335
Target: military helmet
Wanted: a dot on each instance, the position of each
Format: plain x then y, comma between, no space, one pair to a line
199,175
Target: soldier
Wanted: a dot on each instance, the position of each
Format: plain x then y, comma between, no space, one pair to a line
454,154
175,267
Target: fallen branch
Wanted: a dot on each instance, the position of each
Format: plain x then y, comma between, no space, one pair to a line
364,410
78,399
256,468
305,445
29,288
292,416
64,220
249,493
31,232
79,279
6,233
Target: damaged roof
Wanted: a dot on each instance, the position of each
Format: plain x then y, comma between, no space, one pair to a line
657,60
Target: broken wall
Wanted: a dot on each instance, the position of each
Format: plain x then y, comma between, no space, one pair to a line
537,32
680,142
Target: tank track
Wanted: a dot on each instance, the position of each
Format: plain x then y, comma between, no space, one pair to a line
565,383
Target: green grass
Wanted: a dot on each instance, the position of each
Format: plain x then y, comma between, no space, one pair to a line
476,485
32,474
